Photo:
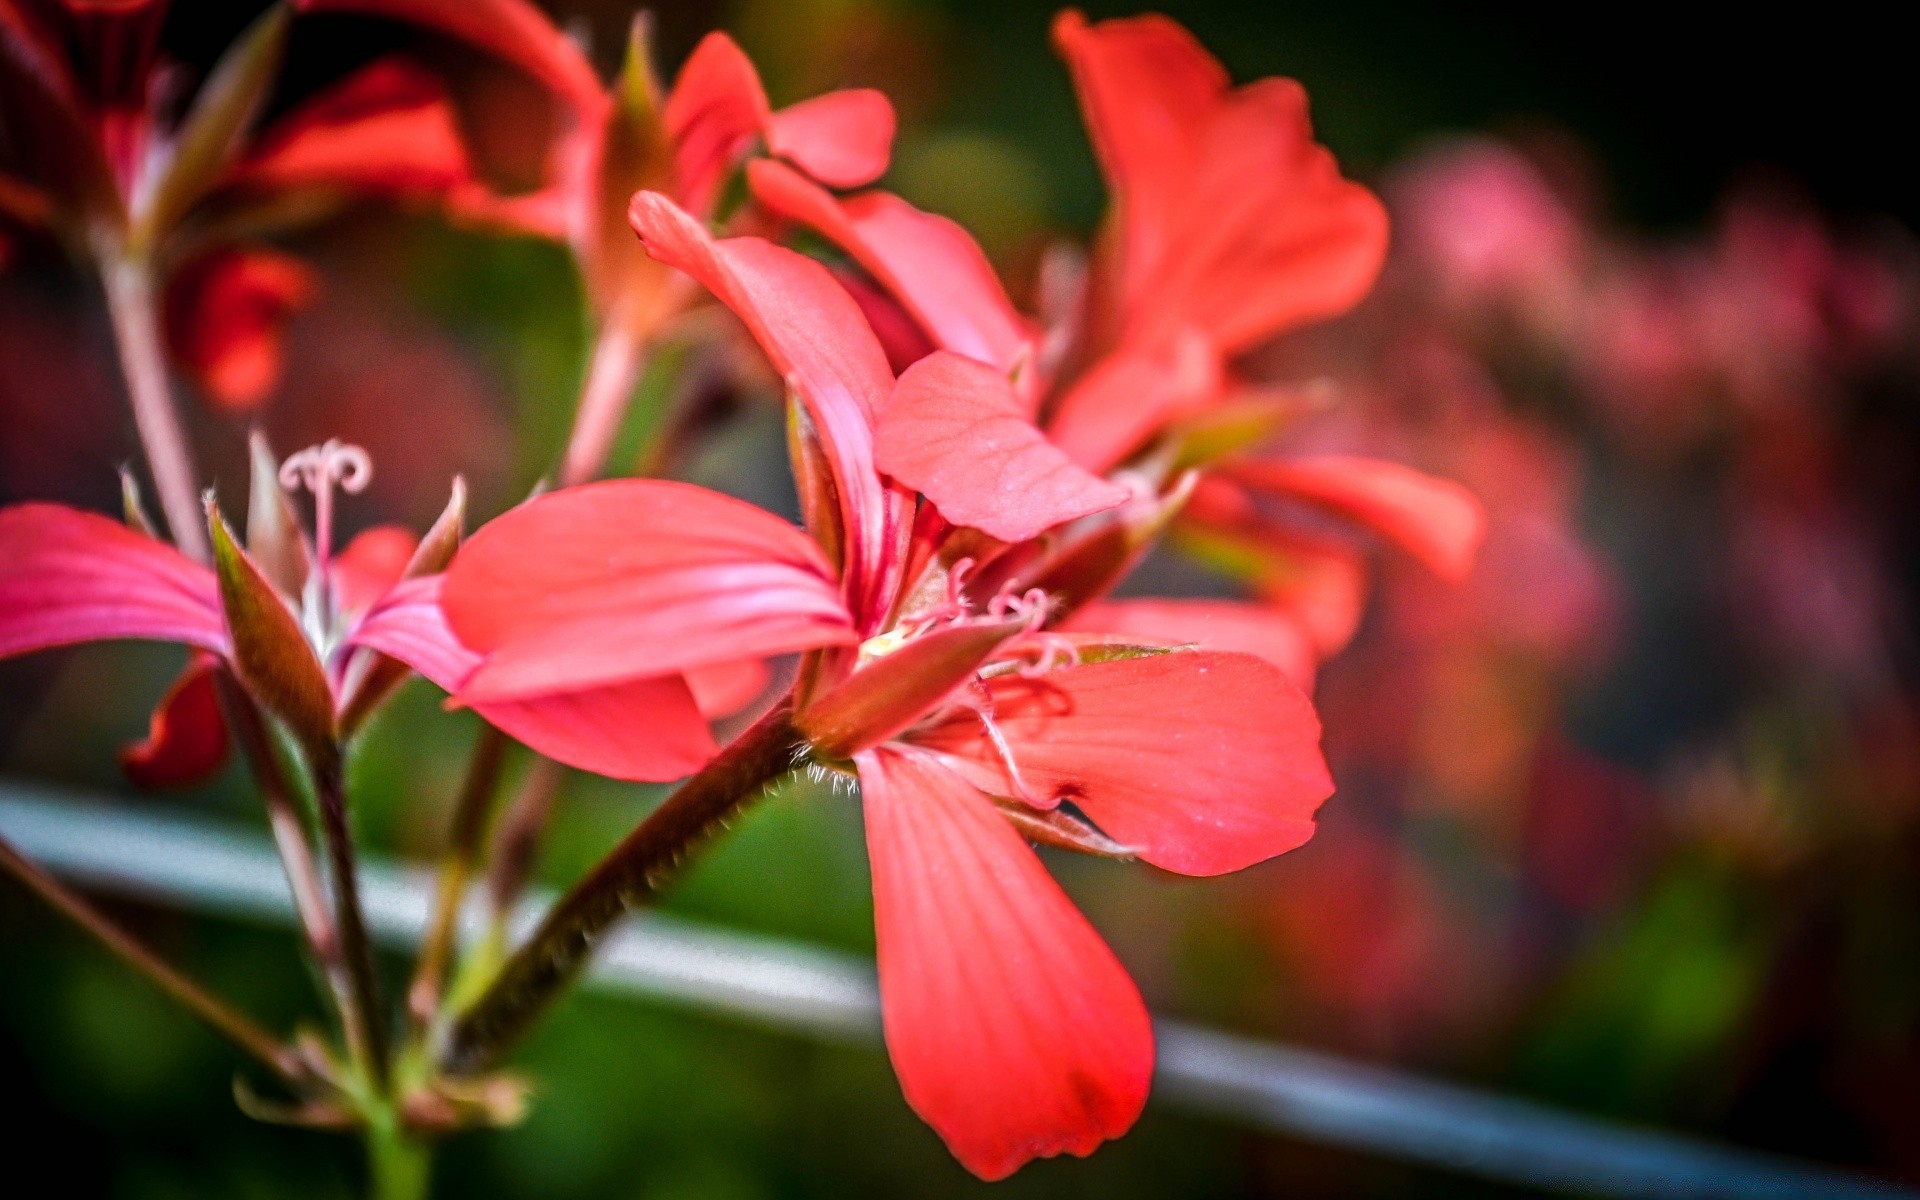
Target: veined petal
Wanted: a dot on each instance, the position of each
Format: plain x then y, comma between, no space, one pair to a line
812,332
68,576
842,138
647,729
1015,1032
1439,522
1130,396
514,31
1257,629
1206,761
928,263
630,578
956,432
187,738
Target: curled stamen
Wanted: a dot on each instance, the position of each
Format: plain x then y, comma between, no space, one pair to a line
953,608
333,463
1051,651
980,704
1034,605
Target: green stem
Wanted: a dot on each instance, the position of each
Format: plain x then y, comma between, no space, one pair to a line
217,1013
364,1021
631,875
399,1165
470,816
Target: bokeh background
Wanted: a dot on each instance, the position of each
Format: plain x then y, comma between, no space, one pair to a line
1629,822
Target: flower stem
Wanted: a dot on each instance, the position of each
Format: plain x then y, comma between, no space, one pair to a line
132,305
611,375
629,876
398,1164
225,1019
364,1021
470,815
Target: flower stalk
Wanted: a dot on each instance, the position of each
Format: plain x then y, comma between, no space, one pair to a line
364,1020
470,818
631,875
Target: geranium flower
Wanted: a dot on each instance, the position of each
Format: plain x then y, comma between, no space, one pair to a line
117,170
946,536
1229,226
320,638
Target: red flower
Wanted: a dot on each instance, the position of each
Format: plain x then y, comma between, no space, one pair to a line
929,675
1230,225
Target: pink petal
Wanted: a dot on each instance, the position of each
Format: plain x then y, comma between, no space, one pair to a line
1015,1032
632,578
1130,396
713,114
370,565
843,138
513,30
956,432
186,741
815,337
926,262
723,689
68,576
1256,629
1437,521
646,729
1207,762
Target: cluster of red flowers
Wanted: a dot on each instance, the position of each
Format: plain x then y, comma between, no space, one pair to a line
974,480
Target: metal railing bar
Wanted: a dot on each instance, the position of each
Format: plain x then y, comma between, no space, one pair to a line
212,868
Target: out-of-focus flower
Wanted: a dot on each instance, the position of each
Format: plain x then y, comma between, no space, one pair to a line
226,319
966,722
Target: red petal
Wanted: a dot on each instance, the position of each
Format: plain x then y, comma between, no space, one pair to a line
187,738
1015,1032
723,689
956,432
1437,521
1207,762
1255,629
372,563
226,321
387,128
1129,397
1233,220
928,263
68,576
843,138
512,30
631,578
715,111
814,335
647,729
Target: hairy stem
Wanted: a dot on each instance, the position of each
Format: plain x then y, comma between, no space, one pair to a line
629,876
133,306
364,1020
236,1026
464,839
611,376
518,842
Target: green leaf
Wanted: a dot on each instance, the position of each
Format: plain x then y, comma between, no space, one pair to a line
211,133
271,655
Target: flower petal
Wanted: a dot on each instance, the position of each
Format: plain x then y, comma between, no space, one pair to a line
646,729
370,565
1206,761
187,738
68,576
226,321
928,263
842,138
513,30
1231,625
1015,1032
1129,397
631,578
814,335
956,432
714,112
1437,521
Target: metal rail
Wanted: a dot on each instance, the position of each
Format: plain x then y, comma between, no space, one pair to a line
211,868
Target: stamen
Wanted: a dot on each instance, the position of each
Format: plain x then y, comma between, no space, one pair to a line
320,469
983,709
